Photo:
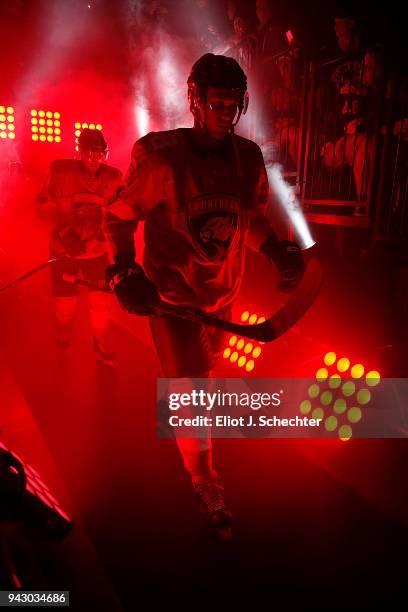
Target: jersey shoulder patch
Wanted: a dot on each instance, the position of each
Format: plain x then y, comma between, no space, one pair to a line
155,142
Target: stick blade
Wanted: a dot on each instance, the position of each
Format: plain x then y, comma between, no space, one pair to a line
295,308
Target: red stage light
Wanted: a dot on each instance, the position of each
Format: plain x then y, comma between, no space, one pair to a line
52,129
340,400
241,344
7,122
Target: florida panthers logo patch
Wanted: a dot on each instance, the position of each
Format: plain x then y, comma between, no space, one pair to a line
214,224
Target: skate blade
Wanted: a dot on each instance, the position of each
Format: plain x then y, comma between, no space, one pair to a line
225,533
107,359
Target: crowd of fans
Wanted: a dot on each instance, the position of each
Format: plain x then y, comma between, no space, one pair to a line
276,52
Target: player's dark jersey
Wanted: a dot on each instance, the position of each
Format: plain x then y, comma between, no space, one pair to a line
79,199
198,206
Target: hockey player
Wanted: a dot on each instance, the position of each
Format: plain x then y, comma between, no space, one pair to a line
75,194
202,193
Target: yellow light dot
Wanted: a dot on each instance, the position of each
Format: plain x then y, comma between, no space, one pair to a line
348,388
41,113
3,135
234,357
77,126
50,138
313,390
363,396
257,351
77,133
335,381
3,126
318,413
42,130
354,414
57,139
241,361
373,378
49,130
252,319
48,114
10,110
345,432
10,118
11,135
321,374
305,407
57,123
340,405
240,344
248,348
330,423
91,126
34,128
33,112
57,115
34,121
98,126
245,316
261,320
326,398
49,122
34,136
84,125
330,358
41,121
2,109
343,364
357,370
227,353
11,127
2,117
57,131
250,365
42,138
232,340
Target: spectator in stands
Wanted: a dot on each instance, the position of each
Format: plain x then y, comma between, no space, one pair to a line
355,80
271,31
278,86
243,48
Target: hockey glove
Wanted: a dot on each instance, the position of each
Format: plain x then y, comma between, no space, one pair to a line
135,292
69,240
287,256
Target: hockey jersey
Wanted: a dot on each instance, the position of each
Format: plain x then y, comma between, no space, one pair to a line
78,198
200,208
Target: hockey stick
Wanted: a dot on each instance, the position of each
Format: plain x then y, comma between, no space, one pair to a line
285,318
23,277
